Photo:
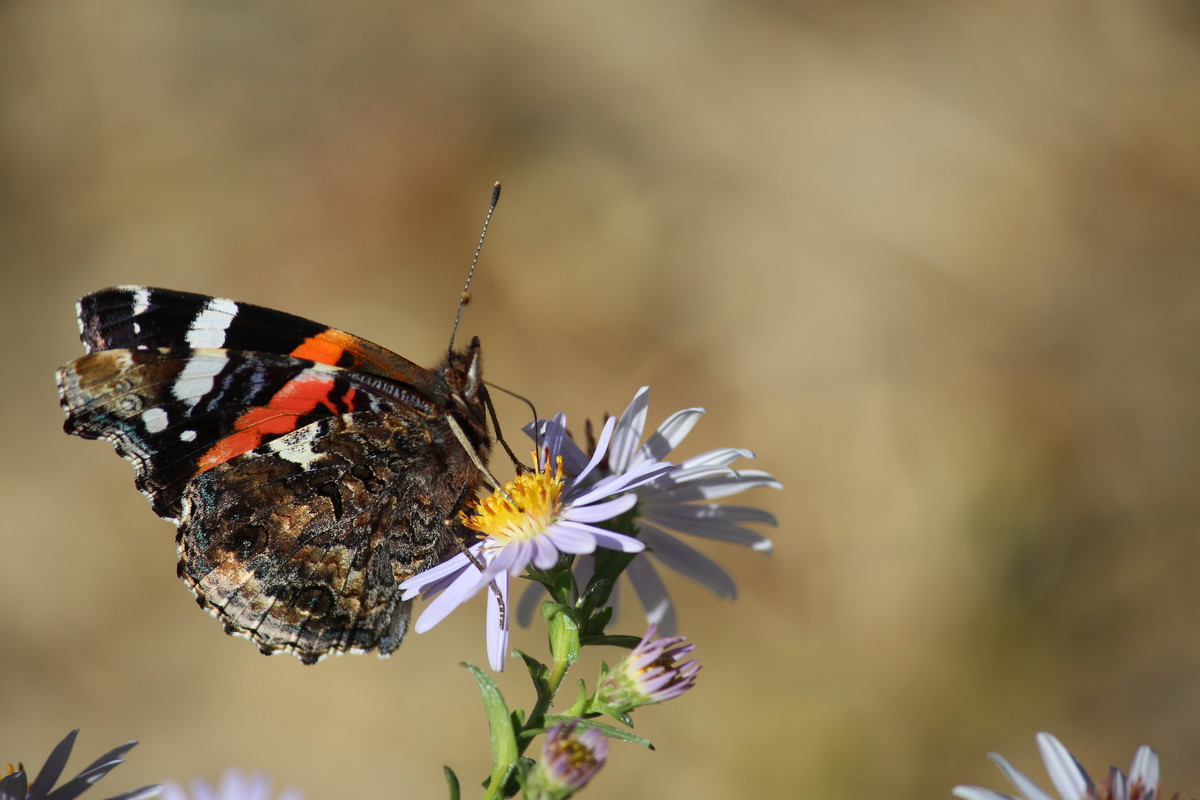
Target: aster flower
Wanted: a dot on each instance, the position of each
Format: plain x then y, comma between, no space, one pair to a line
569,760
649,674
1070,779
235,785
15,786
674,503
530,522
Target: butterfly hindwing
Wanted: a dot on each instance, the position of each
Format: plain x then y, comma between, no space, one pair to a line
301,543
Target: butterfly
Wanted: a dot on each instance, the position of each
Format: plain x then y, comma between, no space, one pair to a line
309,470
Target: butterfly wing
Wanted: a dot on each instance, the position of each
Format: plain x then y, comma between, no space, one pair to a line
138,317
175,413
305,488
300,544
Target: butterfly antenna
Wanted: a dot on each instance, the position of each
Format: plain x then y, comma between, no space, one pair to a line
520,467
466,292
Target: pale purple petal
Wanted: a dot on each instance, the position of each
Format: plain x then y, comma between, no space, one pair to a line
608,539
629,431
574,539
688,561
601,512
574,459
429,581
1117,784
531,600
652,594
712,489
497,625
721,457
511,558
545,553
668,436
468,582
1065,772
613,484
554,433
202,791
694,520
601,445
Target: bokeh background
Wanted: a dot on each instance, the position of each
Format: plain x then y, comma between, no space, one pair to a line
935,262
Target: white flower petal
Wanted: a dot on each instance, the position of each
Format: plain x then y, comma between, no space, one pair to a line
1029,789
1065,772
1144,768
977,793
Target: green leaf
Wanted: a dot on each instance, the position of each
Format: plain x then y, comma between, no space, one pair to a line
539,673
608,730
563,631
451,782
500,729
615,640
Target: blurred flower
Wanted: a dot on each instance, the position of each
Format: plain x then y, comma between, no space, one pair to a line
235,785
1070,779
568,762
15,786
649,674
531,521
673,502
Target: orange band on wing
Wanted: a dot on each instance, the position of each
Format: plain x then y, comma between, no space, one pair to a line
280,415
327,347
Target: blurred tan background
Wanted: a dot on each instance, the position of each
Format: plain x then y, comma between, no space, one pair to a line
935,262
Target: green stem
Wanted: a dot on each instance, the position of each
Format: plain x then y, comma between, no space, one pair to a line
538,713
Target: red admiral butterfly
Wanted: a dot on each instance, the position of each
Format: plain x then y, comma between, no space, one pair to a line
309,471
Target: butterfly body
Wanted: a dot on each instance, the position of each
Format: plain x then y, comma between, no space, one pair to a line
309,471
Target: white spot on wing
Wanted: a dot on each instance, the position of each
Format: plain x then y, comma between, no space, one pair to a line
155,420
141,300
196,378
209,326
297,445
187,436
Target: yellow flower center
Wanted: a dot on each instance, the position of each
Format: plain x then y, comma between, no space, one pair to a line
525,507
